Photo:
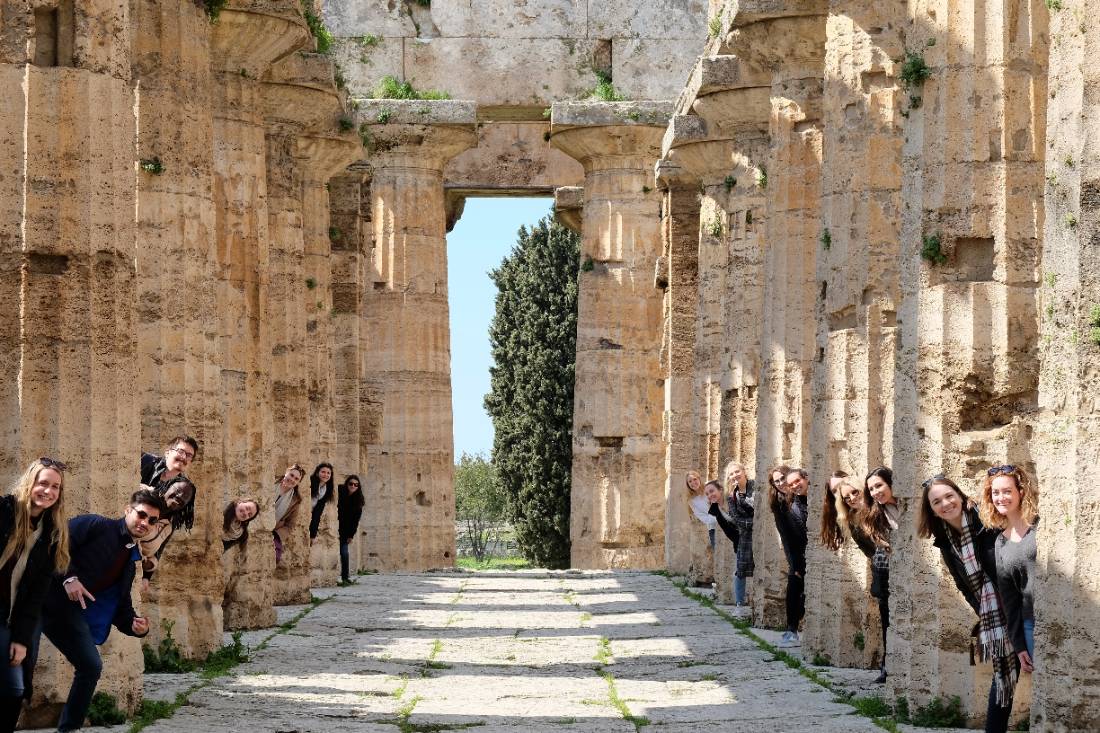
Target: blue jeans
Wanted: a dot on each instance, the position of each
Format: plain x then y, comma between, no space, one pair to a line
1029,637
344,560
739,588
11,678
64,625
710,533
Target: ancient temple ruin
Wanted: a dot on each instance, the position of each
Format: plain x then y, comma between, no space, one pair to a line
833,234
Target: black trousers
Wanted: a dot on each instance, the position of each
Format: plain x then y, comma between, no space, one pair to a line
884,620
796,600
996,717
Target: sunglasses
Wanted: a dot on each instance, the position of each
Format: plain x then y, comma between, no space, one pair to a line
52,463
934,479
994,470
146,516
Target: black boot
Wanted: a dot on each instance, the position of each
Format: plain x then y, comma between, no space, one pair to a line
881,679
10,707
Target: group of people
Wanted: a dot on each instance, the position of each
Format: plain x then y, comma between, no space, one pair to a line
988,546
71,578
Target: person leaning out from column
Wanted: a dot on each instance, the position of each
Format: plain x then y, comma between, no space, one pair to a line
349,510
238,514
1010,503
699,504
158,471
840,515
321,483
878,522
179,501
94,594
287,501
787,500
741,502
34,535
948,517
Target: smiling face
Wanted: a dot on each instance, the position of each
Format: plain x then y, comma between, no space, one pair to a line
290,479
1005,495
352,486
179,457
324,473
735,474
796,483
46,491
694,483
178,495
945,503
140,519
246,510
880,490
851,496
713,493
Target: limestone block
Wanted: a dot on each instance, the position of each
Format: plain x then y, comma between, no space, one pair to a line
569,207
684,20
365,65
354,19
512,157
651,68
506,19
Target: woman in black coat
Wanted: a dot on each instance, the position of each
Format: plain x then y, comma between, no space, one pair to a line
320,494
34,535
349,510
949,518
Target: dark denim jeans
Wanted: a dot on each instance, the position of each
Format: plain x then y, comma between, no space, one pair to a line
65,626
344,560
796,600
996,717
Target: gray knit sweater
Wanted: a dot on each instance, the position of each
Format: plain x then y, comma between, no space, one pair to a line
1015,569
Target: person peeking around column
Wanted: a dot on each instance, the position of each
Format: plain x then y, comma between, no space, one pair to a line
320,494
179,501
878,522
349,510
235,520
1010,503
287,500
698,503
34,535
788,505
966,545
159,471
94,594
740,500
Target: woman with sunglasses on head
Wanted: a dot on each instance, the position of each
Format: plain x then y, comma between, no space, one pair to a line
1010,503
34,537
950,519
741,500
349,510
878,522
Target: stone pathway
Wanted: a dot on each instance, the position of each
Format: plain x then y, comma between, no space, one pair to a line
525,652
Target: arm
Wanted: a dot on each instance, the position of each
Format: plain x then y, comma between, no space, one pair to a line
125,613
152,549
727,527
315,519
31,593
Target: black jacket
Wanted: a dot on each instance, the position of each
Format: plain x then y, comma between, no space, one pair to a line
348,514
790,520
984,537
26,607
319,510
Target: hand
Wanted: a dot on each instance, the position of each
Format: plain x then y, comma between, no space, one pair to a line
77,593
1025,662
144,586
140,625
16,653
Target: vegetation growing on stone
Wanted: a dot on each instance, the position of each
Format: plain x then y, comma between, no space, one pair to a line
390,88
715,226
213,8
346,123
762,177
729,183
605,91
534,347
914,71
317,27
104,710
932,249
714,28
1094,321
167,657
826,240
152,165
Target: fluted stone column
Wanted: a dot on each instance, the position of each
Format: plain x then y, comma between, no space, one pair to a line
67,281
1067,445
617,513
409,514
324,155
178,362
247,39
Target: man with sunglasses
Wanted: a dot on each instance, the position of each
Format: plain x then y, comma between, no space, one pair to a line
159,471
95,594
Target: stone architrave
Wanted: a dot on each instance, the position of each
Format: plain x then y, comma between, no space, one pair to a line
323,155
1067,444
409,516
617,514
68,290
967,371
247,39
178,369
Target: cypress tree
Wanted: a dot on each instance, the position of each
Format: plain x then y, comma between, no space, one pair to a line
534,346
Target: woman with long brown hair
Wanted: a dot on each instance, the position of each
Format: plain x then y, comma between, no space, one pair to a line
34,534
878,522
787,497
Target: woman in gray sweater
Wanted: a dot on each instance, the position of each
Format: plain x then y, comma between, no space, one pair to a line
1010,503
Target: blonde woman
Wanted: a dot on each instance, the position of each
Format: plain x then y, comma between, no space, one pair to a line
1010,503
34,534
741,501
698,502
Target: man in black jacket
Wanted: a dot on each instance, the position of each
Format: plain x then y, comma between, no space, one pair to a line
95,594
160,471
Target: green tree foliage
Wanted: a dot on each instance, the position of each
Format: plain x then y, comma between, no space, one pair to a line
479,502
534,345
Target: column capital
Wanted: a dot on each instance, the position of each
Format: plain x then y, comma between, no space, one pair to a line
298,92
430,131
789,45
714,74
326,155
250,35
591,131
569,207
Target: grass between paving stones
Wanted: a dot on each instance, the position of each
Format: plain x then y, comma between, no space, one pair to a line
218,664
603,651
493,563
884,720
638,721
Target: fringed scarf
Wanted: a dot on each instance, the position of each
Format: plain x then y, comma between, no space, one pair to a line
994,645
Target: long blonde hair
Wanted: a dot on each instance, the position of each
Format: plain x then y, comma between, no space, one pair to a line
21,532
1029,496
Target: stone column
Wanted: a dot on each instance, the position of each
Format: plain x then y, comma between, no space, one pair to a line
687,549
617,512
246,40
409,515
857,276
178,368
967,367
1067,445
67,281
325,154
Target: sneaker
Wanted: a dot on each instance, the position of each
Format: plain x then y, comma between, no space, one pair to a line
789,638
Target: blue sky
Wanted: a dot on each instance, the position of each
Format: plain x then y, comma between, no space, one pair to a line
483,237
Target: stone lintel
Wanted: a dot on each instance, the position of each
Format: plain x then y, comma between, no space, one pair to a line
250,35
744,12
569,207
713,74
417,112
566,115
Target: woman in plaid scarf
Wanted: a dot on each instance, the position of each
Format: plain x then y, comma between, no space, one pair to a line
948,516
